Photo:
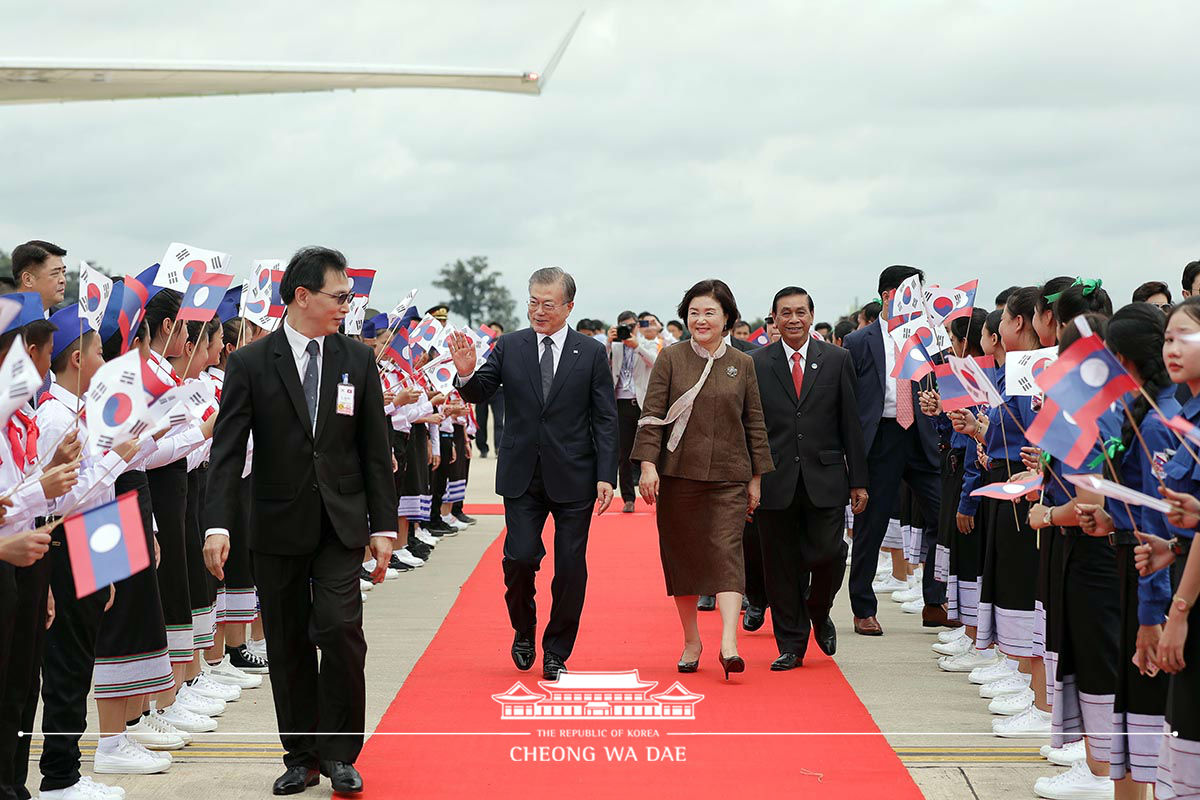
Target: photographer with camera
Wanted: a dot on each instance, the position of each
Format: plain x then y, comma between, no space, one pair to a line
631,354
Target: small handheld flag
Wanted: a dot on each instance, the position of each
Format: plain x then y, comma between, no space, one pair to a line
975,381
1009,490
953,394
95,289
353,321
912,359
204,294
1060,435
116,403
361,280
401,307
20,380
106,544
907,301
1115,491
1085,380
1183,427
182,263
943,305
1022,369
759,337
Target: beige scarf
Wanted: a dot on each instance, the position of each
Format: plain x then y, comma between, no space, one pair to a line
681,410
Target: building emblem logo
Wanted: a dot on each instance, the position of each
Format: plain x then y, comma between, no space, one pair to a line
587,695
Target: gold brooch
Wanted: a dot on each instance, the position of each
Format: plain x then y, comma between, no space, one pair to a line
731,372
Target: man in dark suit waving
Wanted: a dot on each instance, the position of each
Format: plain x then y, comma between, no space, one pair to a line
322,491
807,391
557,456
901,444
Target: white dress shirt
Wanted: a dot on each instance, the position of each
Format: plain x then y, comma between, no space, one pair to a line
789,352
298,342
559,340
889,363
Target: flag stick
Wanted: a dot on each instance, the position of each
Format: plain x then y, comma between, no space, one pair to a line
1004,439
1025,433
1182,439
1115,475
241,332
1145,449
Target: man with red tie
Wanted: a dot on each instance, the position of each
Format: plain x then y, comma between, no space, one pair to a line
901,443
808,397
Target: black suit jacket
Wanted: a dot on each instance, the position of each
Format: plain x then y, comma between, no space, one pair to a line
744,346
870,368
816,436
347,465
573,431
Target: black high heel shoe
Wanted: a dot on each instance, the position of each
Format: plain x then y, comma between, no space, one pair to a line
732,664
690,666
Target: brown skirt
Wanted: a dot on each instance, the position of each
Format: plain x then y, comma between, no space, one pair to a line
700,527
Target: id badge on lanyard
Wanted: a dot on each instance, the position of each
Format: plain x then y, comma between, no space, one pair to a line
345,396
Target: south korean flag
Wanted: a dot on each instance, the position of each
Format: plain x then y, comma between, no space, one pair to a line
1022,368
19,380
116,403
182,262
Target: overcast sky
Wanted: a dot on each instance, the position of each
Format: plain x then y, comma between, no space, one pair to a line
764,143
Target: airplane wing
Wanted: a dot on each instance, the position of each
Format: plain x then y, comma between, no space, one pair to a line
28,80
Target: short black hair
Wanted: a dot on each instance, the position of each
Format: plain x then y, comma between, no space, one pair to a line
871,311
678,324
31,255
1190,273
162,307
584,325
37,333
719,291
645,314
739,323
893,276
307,268
844,328
824,327
1002,298
1079,299
496,324
626,315
1051,288
790,290
1150,288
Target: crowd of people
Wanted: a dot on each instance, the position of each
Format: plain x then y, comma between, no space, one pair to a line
783,463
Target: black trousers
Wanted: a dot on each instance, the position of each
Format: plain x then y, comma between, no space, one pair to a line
8,610
804,561
19,692
627,424
752,555
496,406
525,517
67,670
310,601
896,454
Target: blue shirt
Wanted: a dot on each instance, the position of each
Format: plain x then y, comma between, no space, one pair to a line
1004,438
1182,474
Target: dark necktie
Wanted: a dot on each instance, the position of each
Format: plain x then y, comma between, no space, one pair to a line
797,372
310,380
547,364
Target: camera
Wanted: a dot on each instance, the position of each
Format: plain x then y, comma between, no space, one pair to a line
624,332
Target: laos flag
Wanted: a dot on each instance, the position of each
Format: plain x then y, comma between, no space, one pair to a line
204,295
760,338
1085,380
106,544
362,280
1061,435
1009,490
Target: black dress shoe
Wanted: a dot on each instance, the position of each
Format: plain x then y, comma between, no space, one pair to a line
826,635
295,780
437,528
706,602
754,618
523,652
786,661
463,518
552,666
342,776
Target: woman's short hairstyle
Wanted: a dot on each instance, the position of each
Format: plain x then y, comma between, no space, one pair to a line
719,291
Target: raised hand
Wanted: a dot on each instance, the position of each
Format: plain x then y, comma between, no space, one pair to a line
462,351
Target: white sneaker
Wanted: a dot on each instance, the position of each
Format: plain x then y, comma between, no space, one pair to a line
206,686
952,634
1077,783
1032,722
84,789
913,592
425,538
365,586
129,758
197,703
152,733
954,647
225,672
1068,754
258,647
363,595
1001,667
391,574
913,606
181,718
112,792
1011,684
963,662
454,522
1007,705
888,583
405,557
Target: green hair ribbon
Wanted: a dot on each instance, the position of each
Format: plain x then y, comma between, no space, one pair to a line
1109,449
1089,285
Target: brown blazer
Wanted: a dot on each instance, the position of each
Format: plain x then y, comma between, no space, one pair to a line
725,439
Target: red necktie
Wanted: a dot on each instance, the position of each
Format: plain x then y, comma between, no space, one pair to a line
797,373
27,454
904,403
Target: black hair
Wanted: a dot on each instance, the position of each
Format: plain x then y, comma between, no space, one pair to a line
1050,288
496,324
1079,299
871,311
738,323
1002,298
823,326
1071,334
719,291
36,333
110,348
1136,333
31,255
194,329
60,362
971,329
677,323
626,315
231,331
790,290
893,276
1189,305
307,268
844,328
160,308
1148,289
992,323
1023,303
584,325
212,327
1190,273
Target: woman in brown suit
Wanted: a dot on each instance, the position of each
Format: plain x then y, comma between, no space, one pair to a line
704,396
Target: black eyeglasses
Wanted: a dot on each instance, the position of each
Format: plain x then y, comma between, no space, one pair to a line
341,297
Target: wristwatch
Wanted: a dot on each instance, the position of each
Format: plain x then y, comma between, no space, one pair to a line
1175,546
1182,605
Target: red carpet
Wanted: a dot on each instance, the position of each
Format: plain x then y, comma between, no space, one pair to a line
628,624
